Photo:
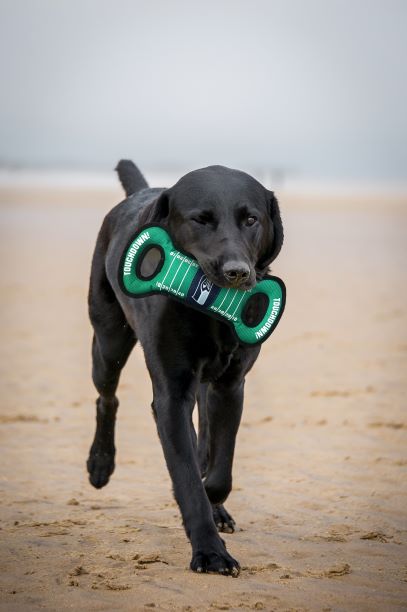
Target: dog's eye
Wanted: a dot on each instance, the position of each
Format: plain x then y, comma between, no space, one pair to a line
251,220
203,219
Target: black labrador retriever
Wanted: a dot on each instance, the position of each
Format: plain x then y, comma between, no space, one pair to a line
232,225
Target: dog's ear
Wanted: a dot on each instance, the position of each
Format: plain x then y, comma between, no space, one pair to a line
273,240
158,210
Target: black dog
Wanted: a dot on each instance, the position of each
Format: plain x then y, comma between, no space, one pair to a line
232,225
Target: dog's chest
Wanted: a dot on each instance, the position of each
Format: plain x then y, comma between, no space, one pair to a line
218,351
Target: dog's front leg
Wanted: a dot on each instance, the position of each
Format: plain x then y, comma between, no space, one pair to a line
174,398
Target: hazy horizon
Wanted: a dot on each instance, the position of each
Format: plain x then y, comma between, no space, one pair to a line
312,90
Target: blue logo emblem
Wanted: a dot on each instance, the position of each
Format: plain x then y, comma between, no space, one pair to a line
202,291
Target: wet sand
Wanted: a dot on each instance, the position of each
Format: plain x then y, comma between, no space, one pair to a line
320,489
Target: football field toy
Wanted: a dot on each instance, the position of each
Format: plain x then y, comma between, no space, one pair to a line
152,265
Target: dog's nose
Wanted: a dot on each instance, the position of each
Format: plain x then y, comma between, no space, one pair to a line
236,272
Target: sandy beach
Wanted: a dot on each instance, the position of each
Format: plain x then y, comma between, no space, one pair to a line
320,493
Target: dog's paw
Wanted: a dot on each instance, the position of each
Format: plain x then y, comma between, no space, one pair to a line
223,521
100,466
215,559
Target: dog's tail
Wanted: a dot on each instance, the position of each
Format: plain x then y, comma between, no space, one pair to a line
130,176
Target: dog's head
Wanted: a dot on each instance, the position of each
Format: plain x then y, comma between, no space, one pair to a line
226,219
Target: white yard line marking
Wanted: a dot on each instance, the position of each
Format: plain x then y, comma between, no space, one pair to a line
183,278
233,299
226,294
178,269
166,274
240,301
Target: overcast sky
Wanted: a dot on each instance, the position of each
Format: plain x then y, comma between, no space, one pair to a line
317,88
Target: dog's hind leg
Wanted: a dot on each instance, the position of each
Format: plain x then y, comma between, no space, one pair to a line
202,428
113,342
109,357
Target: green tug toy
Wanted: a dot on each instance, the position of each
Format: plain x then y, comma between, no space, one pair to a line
151,265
